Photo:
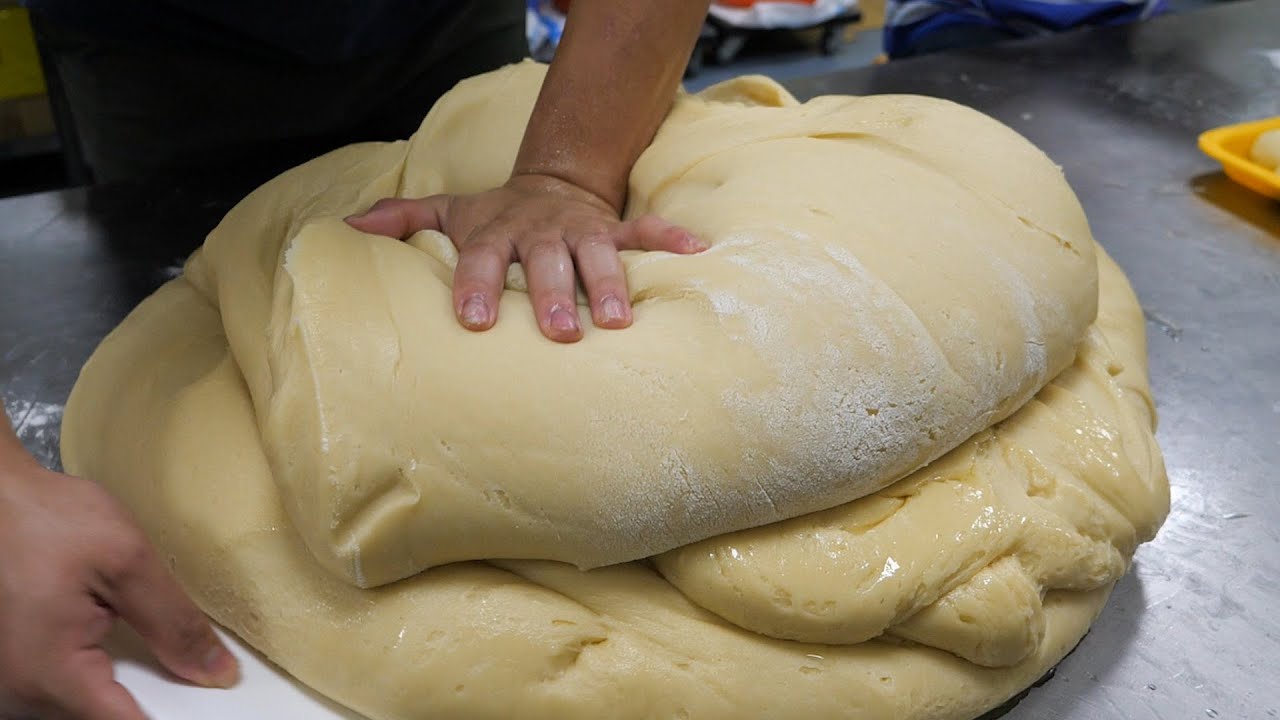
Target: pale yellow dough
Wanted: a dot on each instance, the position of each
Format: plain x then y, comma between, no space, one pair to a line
938,596
1266,150
888,276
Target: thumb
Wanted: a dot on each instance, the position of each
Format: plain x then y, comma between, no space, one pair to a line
399,218
147,597
650,232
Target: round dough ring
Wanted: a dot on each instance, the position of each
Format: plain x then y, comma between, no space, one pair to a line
162,417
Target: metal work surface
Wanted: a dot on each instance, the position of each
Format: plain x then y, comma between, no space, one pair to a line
1194,630
1191,632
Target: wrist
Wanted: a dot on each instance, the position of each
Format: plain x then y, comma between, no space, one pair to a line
552,183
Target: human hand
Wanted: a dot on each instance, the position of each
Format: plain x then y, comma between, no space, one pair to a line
73,562
551,227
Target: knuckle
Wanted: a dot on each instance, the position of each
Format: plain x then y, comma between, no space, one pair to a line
644,222
191,637
543,245
485,238
487,249
127,553
650,220
596,241
603,286
384,203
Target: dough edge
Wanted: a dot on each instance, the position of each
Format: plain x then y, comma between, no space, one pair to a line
470,640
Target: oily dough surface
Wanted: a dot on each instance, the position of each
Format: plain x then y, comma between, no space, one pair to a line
887,277
163,417
959,555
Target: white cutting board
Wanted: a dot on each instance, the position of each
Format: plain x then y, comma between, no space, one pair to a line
265,692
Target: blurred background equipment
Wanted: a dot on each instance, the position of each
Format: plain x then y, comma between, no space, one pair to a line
730,25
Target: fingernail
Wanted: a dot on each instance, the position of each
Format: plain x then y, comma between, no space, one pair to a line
611,309
562,319
475,313
221,667
694,243
361,216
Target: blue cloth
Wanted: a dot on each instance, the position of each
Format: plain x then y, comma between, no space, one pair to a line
909,22
319,32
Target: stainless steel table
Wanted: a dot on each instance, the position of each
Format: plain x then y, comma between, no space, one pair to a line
1192,632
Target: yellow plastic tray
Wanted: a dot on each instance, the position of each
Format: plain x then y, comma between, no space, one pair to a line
20,74
1230,146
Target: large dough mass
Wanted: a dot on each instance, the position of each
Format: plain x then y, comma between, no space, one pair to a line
893,281
888,276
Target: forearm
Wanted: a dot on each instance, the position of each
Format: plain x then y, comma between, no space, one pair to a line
612,82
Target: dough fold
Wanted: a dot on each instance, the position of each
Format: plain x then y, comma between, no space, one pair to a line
887,277
959,554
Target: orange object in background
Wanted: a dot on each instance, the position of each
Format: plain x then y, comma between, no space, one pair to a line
1230,145
24,109
20,74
